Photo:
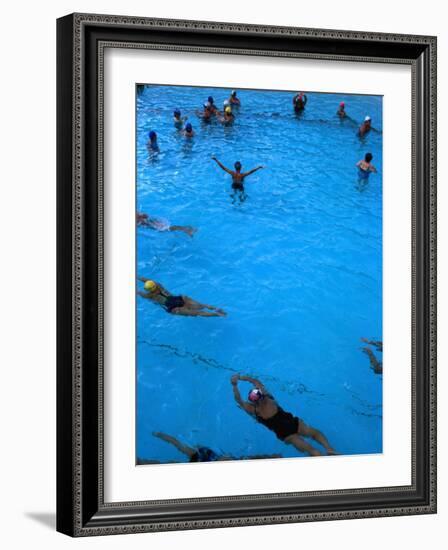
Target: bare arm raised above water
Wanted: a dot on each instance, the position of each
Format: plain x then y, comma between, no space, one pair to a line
222,166
252,171
250,409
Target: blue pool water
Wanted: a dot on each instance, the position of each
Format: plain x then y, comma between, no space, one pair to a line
297,267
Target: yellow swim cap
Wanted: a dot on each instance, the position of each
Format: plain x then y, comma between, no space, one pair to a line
228,109
150,285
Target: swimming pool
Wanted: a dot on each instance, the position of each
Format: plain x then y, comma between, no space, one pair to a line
297,266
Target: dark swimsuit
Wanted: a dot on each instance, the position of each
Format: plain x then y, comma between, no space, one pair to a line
283,423
299,104
204,454
172,302
363,174
238,186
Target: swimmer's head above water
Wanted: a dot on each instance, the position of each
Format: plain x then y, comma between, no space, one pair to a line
238,166
368,157
228,110
188,128
255,395
177,113
152,136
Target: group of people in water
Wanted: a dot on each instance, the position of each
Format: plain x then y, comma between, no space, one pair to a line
260,404
227,117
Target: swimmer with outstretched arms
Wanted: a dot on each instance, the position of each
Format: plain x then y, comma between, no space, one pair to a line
177,305
237,175
288,428
159,224
365,167
201,453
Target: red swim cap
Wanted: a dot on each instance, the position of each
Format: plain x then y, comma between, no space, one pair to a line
342,104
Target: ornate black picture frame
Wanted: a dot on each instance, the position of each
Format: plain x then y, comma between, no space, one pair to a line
81,509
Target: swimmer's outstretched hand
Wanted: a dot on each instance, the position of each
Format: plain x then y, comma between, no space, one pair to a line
234,379
213,157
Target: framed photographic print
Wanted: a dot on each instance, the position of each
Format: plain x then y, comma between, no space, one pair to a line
246,274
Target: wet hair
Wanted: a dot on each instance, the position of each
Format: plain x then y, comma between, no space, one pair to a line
210,99
238,165
188,127
177,112
152,135
368,157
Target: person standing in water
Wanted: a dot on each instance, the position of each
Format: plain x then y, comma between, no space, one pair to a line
152,143
234,100
188,130
211,105
160,224
365,127
237,175
299,101
228,118
365,167
178,119
206,114
288,428
341,111
177,305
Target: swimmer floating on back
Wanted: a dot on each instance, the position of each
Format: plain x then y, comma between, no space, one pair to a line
177,305
237,175
159,224
200,453
288,428
365,167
